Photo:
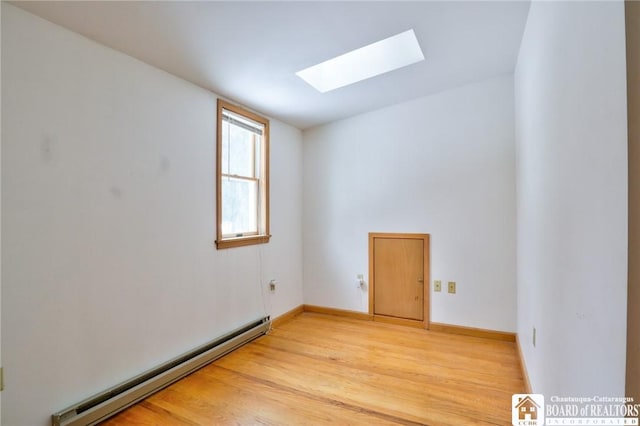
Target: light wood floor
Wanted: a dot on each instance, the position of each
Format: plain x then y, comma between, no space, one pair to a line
320,369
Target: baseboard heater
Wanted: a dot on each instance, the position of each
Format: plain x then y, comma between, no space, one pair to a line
105,404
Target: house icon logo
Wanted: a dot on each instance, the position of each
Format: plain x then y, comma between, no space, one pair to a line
527,409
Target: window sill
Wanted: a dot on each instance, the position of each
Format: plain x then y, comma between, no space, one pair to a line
242,241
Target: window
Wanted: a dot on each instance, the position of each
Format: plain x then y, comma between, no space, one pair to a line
242,177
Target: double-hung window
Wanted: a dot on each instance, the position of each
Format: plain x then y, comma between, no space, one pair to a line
242,177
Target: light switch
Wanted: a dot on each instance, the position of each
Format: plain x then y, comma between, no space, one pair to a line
452,287
437,285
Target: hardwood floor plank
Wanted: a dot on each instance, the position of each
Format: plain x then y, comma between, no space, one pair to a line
411,399
146,413
221,396
439,350
314,407
394,364
320,369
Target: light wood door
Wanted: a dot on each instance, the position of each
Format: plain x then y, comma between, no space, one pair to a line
399,277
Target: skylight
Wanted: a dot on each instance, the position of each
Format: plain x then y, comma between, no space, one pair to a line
369,61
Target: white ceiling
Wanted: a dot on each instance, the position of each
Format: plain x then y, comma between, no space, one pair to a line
250,51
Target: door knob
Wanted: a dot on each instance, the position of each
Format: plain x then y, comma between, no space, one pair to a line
421,280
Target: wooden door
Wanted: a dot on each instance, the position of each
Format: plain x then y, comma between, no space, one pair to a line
399,284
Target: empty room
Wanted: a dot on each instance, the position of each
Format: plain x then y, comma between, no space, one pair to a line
319,212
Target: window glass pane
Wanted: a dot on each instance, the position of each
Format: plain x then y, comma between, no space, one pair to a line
241,138
241,152
239,206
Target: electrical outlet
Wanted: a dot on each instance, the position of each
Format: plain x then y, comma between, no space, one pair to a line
534,337
272,285
437,285
452,287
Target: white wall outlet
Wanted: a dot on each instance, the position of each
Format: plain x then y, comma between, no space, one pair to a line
272,285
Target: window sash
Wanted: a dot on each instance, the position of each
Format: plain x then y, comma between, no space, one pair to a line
230,146
255,215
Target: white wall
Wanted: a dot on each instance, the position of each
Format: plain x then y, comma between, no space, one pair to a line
109,265
442,165
572,197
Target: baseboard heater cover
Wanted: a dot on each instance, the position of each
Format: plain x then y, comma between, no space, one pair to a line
105,404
